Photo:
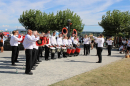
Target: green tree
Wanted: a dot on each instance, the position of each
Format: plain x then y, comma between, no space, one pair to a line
115,22
36,20
62,17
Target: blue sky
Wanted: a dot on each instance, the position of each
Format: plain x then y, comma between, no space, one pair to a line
90,11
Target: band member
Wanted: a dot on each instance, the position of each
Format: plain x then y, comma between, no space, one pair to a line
14,43
65,44
59,43
100,41
89,45
47,46
28,46
109,41
69,41
128,46
86,45
72,38
75,42
53,43
96,44
17,47
34,52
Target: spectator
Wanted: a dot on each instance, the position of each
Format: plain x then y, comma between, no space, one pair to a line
1,42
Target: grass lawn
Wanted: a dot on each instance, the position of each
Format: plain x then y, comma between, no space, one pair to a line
114,74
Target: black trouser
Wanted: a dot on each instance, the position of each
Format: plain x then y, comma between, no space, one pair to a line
34,56
17,54
109,49
59,53
46,52
89,46
86,49
52,55
74,45
99,53
96,45
14,54
28,53
40,51
64,54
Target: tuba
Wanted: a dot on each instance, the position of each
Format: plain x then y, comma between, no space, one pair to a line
64,31
74,32
19,36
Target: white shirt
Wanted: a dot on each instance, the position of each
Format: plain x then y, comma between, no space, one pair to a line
109,42
65,42
128,43
59,41
17,37
34,43
72,38
100,41
69,42
14,40
121,47
28,41
124,42
75,42
86,40
53,40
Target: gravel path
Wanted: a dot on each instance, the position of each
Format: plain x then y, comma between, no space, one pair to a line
49,72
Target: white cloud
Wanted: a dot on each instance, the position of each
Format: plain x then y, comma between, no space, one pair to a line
5,25
90,11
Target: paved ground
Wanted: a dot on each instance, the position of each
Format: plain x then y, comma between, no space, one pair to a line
49,72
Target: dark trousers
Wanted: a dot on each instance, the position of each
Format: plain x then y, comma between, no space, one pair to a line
99,53
109,49
64,54
28,53
86,49
34,56
96,46
74,45
89,46
40,51
59,53
46,52
52,55
14,54
17,54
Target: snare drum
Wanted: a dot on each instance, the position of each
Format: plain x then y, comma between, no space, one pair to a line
64,49
58,49
53,50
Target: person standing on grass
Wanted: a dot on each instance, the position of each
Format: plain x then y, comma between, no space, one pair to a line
109,42
100,41
14,43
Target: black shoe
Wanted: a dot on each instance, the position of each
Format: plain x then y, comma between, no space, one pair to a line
37,63
14,65
30,73
98,62
41,56
17,61
59,57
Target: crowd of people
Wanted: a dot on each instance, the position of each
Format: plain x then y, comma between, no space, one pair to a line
53,45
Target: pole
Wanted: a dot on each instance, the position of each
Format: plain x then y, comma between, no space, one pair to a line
68,29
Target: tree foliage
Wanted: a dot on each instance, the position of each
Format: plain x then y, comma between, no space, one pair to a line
36,20
115,22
